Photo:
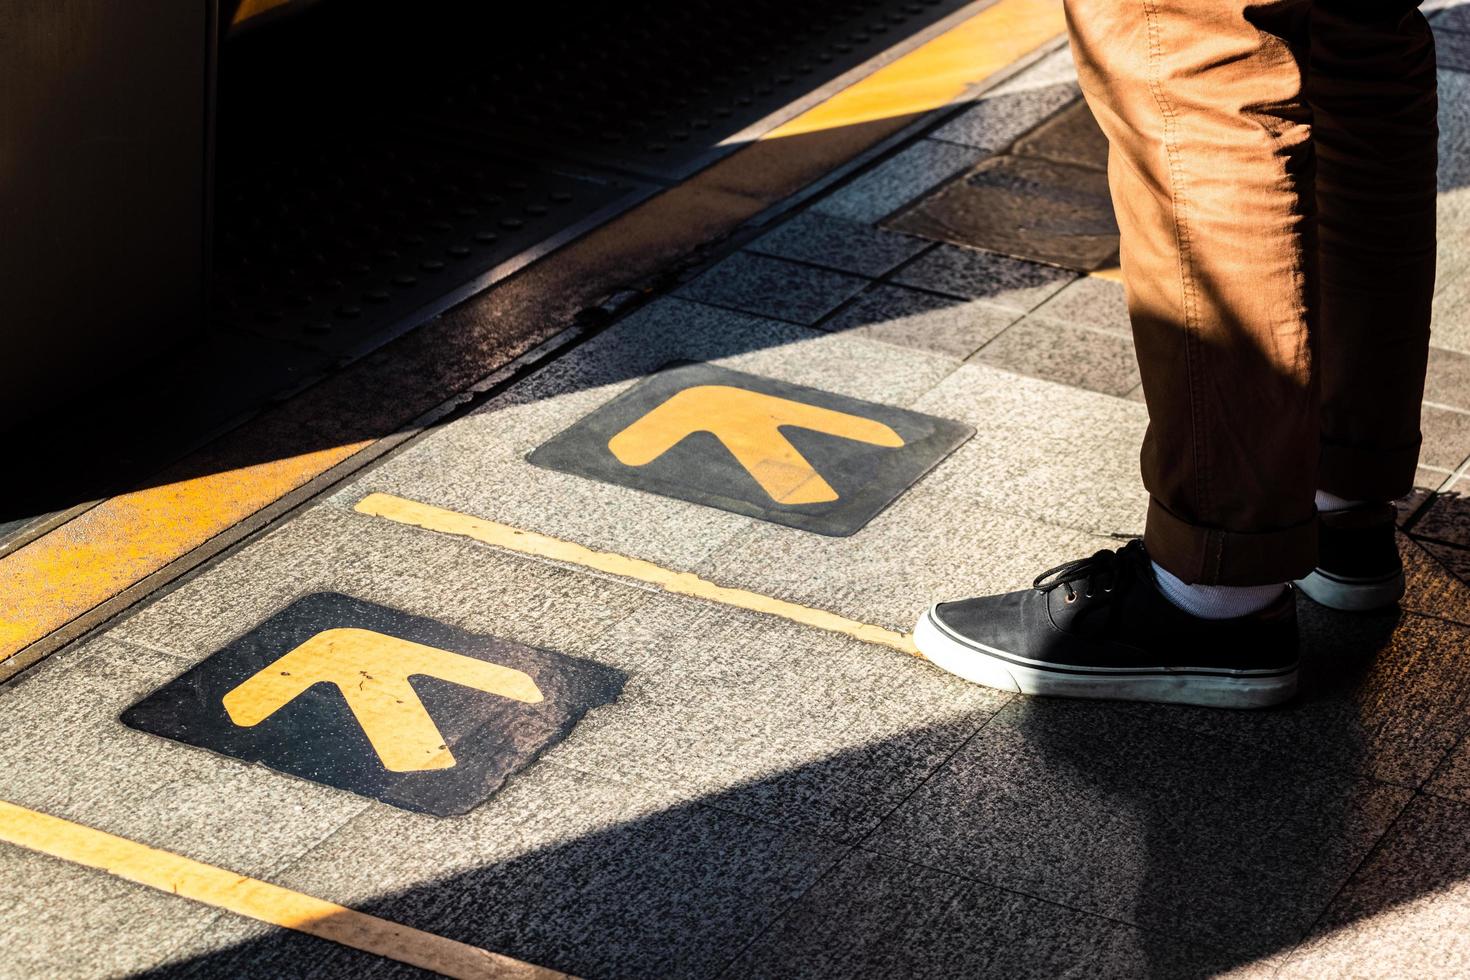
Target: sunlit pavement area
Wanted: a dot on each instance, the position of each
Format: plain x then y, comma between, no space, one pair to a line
682,737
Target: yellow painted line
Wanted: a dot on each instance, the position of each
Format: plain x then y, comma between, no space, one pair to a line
254,8
433,518
66,573
88,560
256,899
938,72
749,423
371,670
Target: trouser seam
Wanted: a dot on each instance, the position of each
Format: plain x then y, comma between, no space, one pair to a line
1180,208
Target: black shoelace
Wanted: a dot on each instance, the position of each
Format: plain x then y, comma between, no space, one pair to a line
1103,570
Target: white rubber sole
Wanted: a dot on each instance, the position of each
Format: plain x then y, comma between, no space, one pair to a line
1352,595
1006,672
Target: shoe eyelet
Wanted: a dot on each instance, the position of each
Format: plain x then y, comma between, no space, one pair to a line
1072,597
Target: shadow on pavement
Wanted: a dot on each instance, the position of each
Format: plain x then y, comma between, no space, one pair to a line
1105,839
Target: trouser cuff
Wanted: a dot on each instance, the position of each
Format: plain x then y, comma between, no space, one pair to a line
1212,556
1358,473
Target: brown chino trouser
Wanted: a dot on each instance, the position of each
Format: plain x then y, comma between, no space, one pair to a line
1272,167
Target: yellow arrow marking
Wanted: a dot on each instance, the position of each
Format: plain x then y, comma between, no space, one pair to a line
748,423
372,671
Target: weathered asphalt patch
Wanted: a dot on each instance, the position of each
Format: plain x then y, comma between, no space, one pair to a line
403,709
781,452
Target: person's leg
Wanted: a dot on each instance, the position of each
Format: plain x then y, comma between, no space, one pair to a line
1372,89
1210,167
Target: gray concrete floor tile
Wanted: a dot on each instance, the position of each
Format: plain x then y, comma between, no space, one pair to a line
1074,464
1089,302
910,318
874,916
839,244
1382,695
1452,49
1431,583
1070,355
1452,779
1450,318
1071,136
65,753
451,579
477,463
1448,378
1448,518
1010,283
1446,437
1455,17
924,548
909,174
575,872
1406,912
233,946
994,123
62,920
772,287
1455,559
792,725
1089,806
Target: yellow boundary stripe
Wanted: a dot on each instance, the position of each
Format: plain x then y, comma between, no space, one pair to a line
432,518
257,899
83,564
939,71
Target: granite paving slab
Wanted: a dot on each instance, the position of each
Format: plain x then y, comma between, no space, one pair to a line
1025,207
1383,695
575,872
1089,302
875,916
1452,779
1009,283
1016,106
798,727
1452,49
110,927
927,547
837,243
911,172
1446,437
1067,354
926,321
233,946
1447,380
1406,912
772,287
1088,806
1433,586
1447,519
1073,464
1455,559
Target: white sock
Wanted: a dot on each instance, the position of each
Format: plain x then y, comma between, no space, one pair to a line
1216,601
1328,502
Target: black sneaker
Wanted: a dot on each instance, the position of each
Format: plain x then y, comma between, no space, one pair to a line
1358,563
1099,628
